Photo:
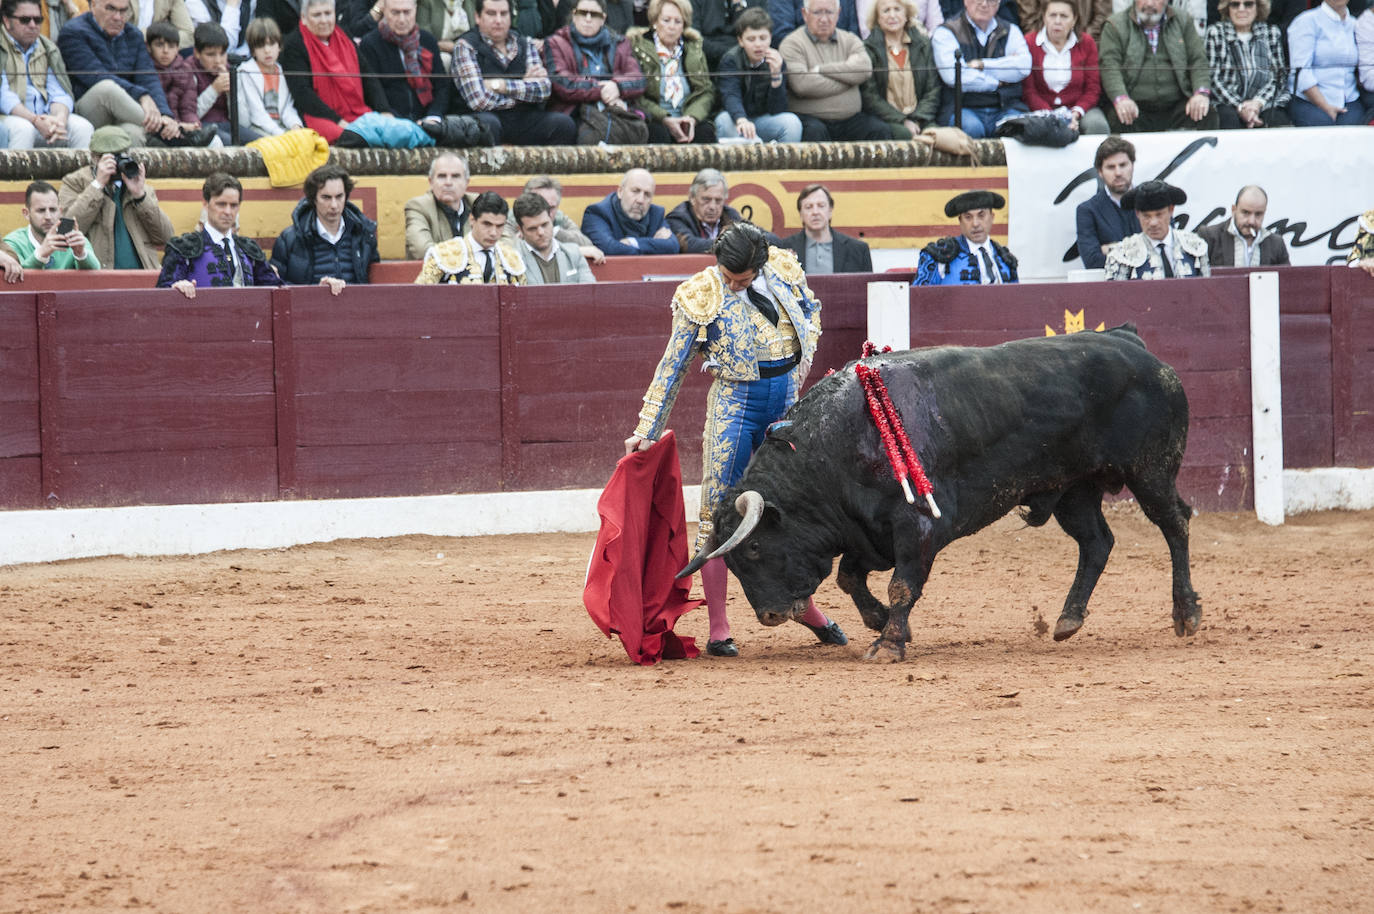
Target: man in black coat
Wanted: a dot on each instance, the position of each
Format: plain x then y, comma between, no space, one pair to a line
698,220
329,241
1102,221
403,59
820,248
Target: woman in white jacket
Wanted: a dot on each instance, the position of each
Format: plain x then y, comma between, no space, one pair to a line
265,103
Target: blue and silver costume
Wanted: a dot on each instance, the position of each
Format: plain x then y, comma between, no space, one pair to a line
950,262
741,348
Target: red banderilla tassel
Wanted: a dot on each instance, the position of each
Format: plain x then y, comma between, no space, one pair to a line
900,454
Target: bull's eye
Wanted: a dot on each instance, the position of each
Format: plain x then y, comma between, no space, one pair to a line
752,550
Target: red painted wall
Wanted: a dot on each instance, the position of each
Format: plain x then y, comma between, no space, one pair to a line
124,397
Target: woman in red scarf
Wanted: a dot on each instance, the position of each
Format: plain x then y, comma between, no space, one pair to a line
321,63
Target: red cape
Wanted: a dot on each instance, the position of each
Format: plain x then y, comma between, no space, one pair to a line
630,589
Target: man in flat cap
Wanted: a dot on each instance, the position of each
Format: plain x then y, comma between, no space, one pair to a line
971,258
112,202
1158,251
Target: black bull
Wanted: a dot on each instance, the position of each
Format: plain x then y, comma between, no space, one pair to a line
1048,424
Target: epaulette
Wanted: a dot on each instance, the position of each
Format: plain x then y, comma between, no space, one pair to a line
943,250
1191,243
783,262
251,248
1367,221
450,256
701,297
1006,255
1132,251
189,245
511,259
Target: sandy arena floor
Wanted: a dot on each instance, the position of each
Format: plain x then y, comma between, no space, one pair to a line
428,724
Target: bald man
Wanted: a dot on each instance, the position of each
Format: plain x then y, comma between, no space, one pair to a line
628,221
1243,241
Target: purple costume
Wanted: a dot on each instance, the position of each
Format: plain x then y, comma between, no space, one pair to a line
195,256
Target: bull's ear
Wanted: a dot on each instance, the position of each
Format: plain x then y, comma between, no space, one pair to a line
772,512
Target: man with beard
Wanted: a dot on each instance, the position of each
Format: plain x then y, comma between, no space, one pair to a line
1102,220
1154,71
1244,241
628,221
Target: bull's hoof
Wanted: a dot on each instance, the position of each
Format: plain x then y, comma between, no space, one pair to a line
1188,625
1065,628
883,651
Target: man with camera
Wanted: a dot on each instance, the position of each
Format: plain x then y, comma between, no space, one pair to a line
49,241
114,204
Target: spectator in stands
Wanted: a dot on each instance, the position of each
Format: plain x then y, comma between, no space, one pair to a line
397,48
502,80
1361,255
593,66
820,248
216,256
972,258
1089,15
212,83
905,89
790,15
321,64
265,104
927,15
547,260
1102,220
35,94
1243,241
172,12
285,13
442,213
1064,65
46,243
678,92
329,240
628,221
697,220
825,68
753,86
1007,10
177,76
232,16
564,229
1158,251
995,61
112,72
1154,71
1364,46
113,203
717,22
1249,67
480,256
1201,11
1323,54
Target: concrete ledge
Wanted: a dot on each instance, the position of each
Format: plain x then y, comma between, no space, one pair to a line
53,535
1328,488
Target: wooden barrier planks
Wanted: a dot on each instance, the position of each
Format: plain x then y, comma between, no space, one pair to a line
20,441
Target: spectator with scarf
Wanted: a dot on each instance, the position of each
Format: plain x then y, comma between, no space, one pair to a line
590,64
398,47
322,66
678,92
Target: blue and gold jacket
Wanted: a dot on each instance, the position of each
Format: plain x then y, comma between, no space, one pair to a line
731,334
949,262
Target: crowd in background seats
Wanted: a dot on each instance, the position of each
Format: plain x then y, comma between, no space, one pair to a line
407,73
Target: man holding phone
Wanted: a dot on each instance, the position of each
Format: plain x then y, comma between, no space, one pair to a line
49,241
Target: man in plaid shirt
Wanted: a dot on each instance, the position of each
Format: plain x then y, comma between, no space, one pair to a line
504,83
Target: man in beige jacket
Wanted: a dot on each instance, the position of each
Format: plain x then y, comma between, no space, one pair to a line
442,213
825,67
115,207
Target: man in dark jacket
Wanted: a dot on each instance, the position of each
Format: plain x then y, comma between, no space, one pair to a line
1101,219
697,220
628,221
399,48
111,72
329,240
1243,241
753,86
820,248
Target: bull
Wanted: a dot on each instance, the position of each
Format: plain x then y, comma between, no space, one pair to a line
1047,425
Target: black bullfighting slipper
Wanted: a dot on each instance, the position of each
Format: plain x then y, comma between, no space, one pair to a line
829,634
724,648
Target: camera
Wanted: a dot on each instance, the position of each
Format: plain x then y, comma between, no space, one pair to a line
126,166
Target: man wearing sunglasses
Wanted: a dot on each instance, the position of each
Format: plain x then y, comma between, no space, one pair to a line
1154,71
35,93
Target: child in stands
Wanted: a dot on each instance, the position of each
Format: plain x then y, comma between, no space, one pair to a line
265,104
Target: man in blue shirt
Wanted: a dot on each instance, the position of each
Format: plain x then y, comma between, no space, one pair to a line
35,94
993,59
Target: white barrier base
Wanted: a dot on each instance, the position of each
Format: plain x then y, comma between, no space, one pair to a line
51,535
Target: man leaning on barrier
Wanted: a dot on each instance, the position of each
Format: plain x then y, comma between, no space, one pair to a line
216,256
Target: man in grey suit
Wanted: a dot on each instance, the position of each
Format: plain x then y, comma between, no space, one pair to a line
1243,241
442,213
820,248
547,260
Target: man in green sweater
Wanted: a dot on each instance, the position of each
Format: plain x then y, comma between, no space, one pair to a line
43,244
1155,73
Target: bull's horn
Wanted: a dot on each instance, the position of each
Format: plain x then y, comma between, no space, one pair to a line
750,506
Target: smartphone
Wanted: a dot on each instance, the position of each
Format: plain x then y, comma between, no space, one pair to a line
65,226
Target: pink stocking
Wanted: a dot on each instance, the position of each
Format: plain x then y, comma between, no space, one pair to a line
814,616
714,577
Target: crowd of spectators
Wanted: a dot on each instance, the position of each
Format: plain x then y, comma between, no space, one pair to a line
397,72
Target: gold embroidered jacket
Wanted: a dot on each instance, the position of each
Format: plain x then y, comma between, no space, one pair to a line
730,333
1364,241
458,260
